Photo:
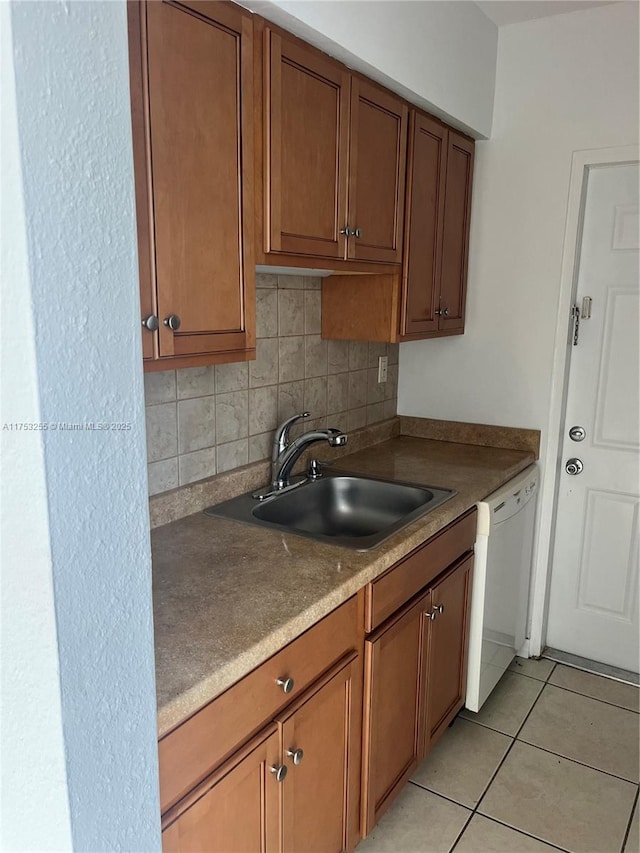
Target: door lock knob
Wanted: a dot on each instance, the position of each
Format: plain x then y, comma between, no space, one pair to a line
574,466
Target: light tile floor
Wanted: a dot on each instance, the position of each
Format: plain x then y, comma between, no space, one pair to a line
551,762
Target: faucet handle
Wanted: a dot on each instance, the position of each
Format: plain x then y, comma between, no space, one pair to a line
281,439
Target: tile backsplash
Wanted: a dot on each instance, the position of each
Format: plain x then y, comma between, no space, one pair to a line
205,420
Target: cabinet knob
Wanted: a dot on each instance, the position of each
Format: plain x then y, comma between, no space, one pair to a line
348,232
442,312
297,755
151,323
173,322
285,683
357,232
279,772
431,614
439,608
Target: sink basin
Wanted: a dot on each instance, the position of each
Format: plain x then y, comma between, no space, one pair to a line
344,509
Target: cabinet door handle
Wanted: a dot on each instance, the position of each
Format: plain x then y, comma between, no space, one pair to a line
297,755
286,684
442,312
279,772
348,232
357,232
151,323
439,608
173,322
431,614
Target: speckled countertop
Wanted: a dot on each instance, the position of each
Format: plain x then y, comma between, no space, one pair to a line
228,595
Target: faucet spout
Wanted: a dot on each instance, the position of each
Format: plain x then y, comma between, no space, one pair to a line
286,454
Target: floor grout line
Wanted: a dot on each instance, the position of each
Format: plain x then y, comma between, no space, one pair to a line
633,808
575,761
443,796
523,832
595,698
504,757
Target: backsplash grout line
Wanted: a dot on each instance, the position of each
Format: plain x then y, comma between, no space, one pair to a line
192,439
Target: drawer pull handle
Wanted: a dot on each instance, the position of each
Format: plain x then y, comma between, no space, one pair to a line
280,772
285,683
297,755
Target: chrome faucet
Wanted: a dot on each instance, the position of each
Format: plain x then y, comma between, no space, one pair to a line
285,454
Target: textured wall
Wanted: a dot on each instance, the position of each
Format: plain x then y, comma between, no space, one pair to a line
202,421
34,809
71,70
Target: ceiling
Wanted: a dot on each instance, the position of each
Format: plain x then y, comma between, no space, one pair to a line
503,12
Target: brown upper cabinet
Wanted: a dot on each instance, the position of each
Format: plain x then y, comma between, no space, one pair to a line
455,236
428,299
434,281
334,158
192,110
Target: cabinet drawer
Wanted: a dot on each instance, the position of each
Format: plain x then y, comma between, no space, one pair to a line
391,590
195,748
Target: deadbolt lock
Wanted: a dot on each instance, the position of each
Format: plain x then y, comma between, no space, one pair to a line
577,433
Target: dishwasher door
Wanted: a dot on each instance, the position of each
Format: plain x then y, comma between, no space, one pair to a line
500,591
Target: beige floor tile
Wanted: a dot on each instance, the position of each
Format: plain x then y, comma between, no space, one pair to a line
633,839
586,730
540,669
418,822
462,762
624,695
559,801
509,703
486,836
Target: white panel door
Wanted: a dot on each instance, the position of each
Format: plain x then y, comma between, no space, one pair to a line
593,606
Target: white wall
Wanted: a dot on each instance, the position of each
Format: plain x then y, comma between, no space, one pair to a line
34,805
72,108
440,55
564,83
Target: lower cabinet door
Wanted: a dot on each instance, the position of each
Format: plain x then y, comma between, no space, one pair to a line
394,673
320,736
447,650
236,810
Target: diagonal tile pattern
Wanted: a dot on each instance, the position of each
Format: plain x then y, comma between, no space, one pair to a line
550,763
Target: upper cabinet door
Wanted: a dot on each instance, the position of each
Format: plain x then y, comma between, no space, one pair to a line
426,173
200,108
306,131
455,244
376,173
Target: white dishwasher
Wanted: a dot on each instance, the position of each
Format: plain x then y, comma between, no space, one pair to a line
500,591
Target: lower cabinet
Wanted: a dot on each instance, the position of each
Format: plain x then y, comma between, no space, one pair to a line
296,756
415,664
320,749
394,674
293,788
447,650
237,809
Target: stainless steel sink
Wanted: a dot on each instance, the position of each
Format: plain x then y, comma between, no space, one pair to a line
343,509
